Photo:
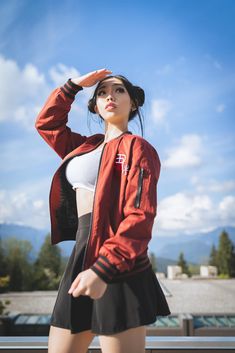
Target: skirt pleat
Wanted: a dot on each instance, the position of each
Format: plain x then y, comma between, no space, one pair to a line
137,300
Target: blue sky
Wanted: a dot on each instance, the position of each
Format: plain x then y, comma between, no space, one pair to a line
180,52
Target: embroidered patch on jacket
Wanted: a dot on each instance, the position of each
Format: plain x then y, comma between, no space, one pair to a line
120,163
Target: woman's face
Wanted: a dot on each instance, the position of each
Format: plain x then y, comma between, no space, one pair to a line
112,91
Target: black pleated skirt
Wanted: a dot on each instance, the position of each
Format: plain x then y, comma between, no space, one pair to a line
132,302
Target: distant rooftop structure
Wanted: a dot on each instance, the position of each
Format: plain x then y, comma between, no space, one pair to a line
173,271
184,296
208,271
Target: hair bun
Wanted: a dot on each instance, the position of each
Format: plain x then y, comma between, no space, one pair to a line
139,95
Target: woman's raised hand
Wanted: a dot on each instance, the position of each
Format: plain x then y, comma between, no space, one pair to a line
91,78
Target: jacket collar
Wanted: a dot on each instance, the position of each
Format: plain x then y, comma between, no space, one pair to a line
125,132
88,147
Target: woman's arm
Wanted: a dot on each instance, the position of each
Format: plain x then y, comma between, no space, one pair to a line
118,253
51,122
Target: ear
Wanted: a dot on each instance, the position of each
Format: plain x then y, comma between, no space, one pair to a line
133,108
95,109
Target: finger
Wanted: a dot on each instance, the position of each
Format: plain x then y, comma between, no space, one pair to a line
74,284
101,71
78,291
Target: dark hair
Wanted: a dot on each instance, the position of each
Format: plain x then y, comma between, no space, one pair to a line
135,92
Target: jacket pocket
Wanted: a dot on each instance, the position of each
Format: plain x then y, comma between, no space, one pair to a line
139,188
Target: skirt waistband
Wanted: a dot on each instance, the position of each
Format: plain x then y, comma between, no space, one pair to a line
84,220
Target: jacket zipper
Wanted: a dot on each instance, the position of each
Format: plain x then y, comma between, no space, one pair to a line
84,256
139,190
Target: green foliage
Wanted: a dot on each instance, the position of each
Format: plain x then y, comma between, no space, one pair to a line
225,255
49,256
223,276
47,267
17,273
45,279
3,263
3,306
194,269
182,262
4,283
18,266
213,259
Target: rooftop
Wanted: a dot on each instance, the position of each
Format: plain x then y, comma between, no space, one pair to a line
193,296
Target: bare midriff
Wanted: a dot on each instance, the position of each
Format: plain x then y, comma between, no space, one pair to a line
84,199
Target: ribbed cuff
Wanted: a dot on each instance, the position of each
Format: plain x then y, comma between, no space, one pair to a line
104,269
70,89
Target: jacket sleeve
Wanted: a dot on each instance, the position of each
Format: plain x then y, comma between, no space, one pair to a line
52,119
118,253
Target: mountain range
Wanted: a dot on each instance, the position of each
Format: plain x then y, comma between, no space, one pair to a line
196,247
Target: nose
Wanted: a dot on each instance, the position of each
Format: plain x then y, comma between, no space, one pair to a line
110,96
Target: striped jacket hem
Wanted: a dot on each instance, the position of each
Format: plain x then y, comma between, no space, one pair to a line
109,273
70,89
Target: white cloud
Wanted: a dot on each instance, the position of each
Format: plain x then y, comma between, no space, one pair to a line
227,209
187,153
20,207
24,91
190,213
213,185
159,110
21,91
60,74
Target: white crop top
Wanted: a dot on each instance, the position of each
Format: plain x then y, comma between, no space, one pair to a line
81,171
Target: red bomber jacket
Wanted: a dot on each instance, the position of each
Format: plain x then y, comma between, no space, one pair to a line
125,196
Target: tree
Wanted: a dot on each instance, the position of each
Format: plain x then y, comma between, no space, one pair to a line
182,262
153,261
225,255
3,263
213,259
49,256
18,264
47,267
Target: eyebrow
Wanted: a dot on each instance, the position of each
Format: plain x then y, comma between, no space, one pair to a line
114,84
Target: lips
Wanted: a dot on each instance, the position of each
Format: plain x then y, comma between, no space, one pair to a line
110,105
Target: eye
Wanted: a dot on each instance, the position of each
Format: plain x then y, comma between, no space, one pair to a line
99,93
121,89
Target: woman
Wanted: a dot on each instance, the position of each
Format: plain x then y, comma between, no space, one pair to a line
103,195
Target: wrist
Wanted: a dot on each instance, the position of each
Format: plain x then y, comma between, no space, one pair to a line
70,89
104,269
96,276
75,82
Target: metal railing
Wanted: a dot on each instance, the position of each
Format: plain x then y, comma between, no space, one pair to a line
32,344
